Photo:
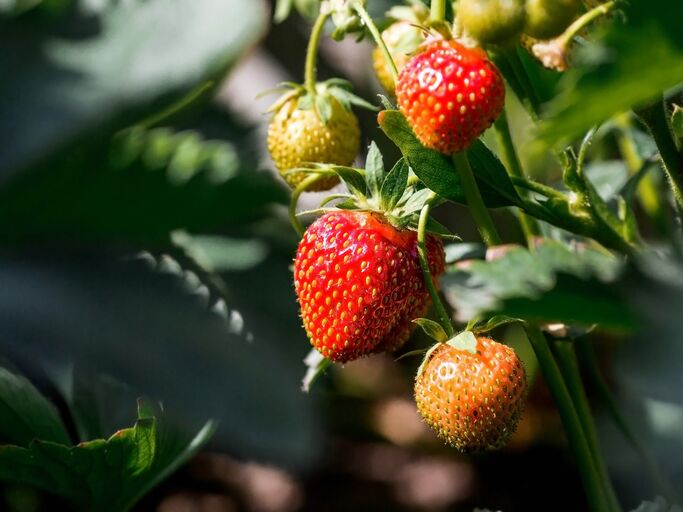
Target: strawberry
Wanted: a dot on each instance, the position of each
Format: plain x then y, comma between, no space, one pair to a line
357,274
549,18
471,391
314,127
492,21
450,94
359,283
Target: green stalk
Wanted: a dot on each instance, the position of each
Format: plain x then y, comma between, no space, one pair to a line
590,363
584,20
312,52
477,207
658,123
426,274
367,19
566,358
570,420
296,193
529,225
438,11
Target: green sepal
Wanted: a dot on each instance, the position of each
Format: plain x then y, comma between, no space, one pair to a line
479,326
323,108
394,185
316,365
353,179
466,340
677,122
374,170
432,329
436,228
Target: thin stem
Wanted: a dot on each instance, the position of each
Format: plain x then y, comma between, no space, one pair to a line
539,188
294,201
367,19
586,19
529,225
479,212
438,10
657,122
570,419
179,105
566,358
590,363
312,52
426,273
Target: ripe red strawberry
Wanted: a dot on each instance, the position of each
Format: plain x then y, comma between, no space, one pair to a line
450,94
472,400
359,283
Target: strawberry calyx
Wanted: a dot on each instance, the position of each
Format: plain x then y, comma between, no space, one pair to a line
465,340
396,197
320,100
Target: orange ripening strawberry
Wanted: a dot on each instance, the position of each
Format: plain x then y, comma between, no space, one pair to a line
359,284
471,398
450,94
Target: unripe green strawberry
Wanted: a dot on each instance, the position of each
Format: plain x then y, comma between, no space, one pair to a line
298,137
359,284
450,94
472,400
492,21
401,38
546,19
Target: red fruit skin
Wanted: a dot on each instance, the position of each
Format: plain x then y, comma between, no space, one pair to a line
450,95
472,401
359,283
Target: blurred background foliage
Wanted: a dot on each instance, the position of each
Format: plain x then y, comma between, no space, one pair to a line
145,250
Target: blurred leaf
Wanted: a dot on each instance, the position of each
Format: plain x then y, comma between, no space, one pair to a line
608,177
437,171
153,182
104,475
102,68
628,66
150,330
25,414
220,253
491,323
658,505
552,283
677,122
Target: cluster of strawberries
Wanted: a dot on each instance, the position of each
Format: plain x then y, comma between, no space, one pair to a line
357,271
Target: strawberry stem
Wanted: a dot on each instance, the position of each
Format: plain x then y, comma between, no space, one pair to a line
529,225
584,20
438,11
294,201
476,204
569,366
312,52
570,419
374,31
426,273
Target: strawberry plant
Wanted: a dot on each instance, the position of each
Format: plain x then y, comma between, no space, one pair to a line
498,218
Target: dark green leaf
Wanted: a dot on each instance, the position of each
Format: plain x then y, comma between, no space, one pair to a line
25,414
374,170
353,179
437,171
394,185
550,284
104,475
677,122
144,328
630,65
74,85
153,182
490,324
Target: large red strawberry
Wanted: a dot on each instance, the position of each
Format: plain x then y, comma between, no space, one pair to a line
450,94
359,283
471,391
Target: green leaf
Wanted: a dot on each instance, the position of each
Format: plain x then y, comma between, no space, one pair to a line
432,329
147,327
104,475
220,253
353,179
374,170
437,172
73,87
153,182
25,414
629,66
677,122
282,10
466,341
394,185
552,283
